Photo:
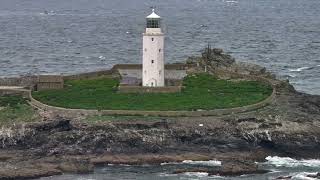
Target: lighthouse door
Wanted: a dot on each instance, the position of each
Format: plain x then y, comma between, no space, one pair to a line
152,82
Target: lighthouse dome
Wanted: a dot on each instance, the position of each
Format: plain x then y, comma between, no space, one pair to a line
153,15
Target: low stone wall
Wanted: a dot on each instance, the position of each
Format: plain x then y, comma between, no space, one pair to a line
24,81
141,89
115,68
73,113
22,92
177,66
231,75
90,75
31,81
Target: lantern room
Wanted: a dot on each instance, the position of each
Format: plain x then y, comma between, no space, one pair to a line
153,20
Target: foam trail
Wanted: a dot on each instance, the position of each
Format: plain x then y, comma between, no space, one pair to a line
289,162
304,176
300,69
197,174
202,163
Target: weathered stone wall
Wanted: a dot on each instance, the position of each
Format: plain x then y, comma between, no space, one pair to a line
46,82
22,92
141,89
24,81
31,81
90,75
73,113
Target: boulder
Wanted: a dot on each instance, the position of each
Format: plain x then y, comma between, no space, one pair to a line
237,168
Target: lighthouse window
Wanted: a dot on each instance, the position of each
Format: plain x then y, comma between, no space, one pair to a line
152,61
159,50
152,39
153,23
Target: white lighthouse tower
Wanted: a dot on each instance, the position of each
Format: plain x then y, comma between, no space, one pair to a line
153,55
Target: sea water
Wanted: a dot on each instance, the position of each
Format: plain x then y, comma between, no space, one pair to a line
278,166
59,36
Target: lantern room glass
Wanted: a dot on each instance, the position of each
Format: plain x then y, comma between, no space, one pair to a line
153,23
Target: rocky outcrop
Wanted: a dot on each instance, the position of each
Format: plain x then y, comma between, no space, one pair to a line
290,126
228,168
221,64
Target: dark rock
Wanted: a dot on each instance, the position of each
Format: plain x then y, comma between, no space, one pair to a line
76,167
251,119
237,168
57,125
27,172
284,177
229,168
316,176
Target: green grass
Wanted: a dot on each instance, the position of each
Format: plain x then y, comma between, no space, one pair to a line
11,100
14,109
202,91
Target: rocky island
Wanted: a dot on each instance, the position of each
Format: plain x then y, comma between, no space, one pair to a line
52,144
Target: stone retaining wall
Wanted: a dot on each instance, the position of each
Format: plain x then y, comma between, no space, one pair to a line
30,82
22,92
72,113
25,81
141,89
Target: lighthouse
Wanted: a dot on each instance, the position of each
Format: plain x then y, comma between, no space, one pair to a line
153,53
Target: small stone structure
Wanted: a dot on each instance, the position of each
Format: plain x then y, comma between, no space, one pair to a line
142,89
131,80
46,82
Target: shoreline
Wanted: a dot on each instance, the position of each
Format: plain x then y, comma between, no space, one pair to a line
288,127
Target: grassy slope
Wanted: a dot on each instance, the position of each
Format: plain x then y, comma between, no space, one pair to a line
201,91
14,109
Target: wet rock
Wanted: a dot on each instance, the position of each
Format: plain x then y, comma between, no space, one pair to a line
76,167
237,168
284,177
27,172
229,168
316,176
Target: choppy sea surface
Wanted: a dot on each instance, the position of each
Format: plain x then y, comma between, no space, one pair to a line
70,36
278,167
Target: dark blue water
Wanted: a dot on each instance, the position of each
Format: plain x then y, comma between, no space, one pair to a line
69,36
86,35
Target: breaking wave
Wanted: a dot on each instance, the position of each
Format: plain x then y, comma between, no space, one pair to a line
289,162
304,176
300,69
201,163
197,174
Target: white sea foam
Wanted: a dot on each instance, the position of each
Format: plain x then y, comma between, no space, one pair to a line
167,175
231,1
292,75
102,57
118,165
197,174
299,69
203,163
304,176
289,162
